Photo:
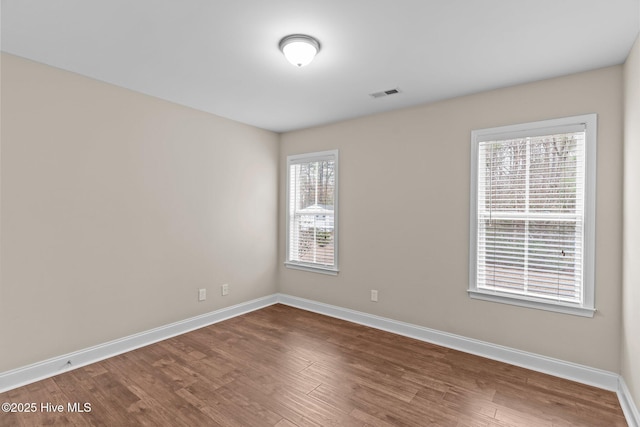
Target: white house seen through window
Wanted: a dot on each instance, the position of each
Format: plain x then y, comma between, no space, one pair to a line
312,202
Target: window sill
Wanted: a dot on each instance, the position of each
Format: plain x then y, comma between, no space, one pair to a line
531,303
313,268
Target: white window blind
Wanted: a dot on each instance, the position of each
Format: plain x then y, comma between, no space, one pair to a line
312,211
530,215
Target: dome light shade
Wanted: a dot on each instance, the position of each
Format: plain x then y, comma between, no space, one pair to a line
299,49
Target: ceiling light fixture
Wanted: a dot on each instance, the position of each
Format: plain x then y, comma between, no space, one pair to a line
299,49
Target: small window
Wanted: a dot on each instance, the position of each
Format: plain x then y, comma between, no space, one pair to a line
312,212
532,214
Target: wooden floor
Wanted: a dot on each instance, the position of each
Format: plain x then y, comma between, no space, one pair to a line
280,366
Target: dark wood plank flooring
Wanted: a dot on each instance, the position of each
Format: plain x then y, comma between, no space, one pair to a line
284,367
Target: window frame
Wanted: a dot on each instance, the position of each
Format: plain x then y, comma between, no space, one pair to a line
308,158
544,127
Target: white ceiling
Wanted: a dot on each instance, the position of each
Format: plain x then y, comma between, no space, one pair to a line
222,56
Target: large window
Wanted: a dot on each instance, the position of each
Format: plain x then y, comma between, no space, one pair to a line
532,214
312,212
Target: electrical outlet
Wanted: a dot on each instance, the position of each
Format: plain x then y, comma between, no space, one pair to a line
202,294
374,295
225,289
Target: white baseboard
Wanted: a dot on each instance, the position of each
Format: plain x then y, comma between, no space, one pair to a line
629,408
559,368
56,365
583,374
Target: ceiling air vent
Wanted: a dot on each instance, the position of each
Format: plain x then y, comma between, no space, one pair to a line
384,93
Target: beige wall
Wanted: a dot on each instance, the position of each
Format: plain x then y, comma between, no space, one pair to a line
117,207
631,262
404,217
